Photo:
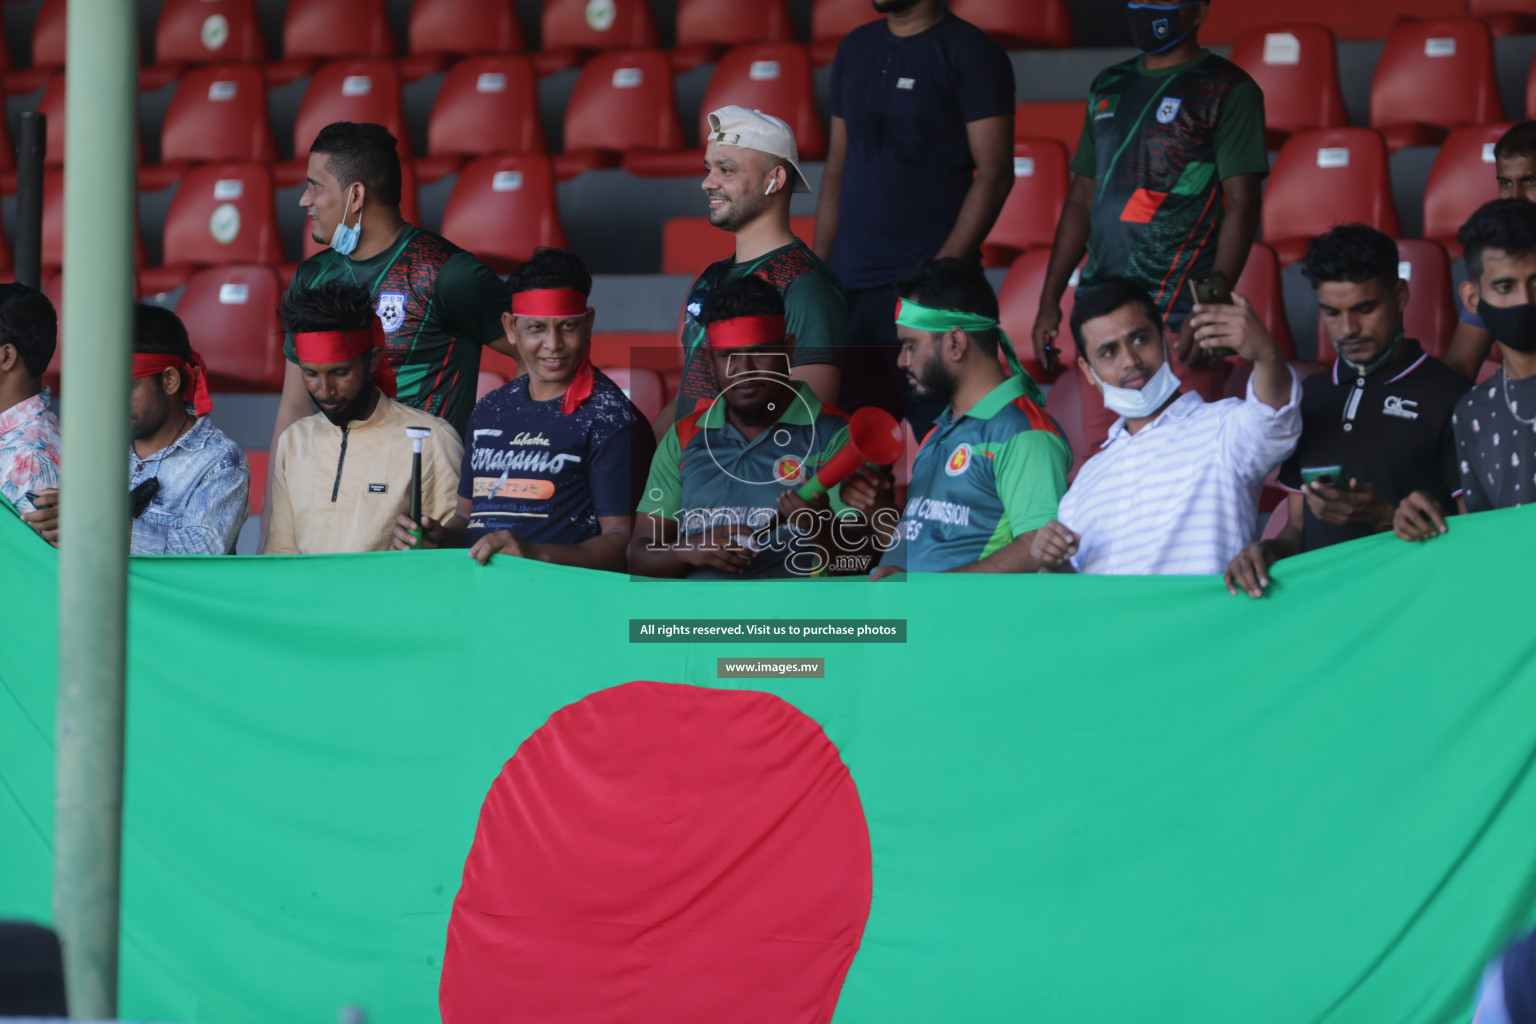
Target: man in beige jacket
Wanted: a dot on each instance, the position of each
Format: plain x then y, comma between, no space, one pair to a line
341,476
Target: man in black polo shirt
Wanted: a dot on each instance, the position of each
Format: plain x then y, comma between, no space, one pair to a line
1377,428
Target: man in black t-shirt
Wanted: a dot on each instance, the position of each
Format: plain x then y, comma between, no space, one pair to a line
1376,429
919,165
554,461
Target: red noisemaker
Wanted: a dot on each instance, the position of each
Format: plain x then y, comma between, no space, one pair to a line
873,436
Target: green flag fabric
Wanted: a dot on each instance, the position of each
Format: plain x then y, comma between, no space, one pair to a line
1088,799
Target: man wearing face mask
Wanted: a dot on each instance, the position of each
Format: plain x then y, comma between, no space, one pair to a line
437,304
1175,489
1495,424
1167,187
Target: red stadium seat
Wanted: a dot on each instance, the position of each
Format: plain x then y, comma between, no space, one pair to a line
1462,179
1430,318
831,20
1505,17
485,105
365,89
772,77
231,317
1323,177
257,458
1028,218
409,210
53,287
651,350
689,244
440,30
487,383
706,27
1065,405
1297,67
218,112
644,388
575,29
207,31
1260,284
622,100
1432,76
222,213
1054,119
48,46
1226,23
502,208
337,28
1019,303
1038,23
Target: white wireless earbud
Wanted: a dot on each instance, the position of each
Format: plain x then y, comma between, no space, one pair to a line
769,190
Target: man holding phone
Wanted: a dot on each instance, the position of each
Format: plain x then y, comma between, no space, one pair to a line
29,430
1377,428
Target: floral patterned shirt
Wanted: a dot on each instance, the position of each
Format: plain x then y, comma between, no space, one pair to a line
29,450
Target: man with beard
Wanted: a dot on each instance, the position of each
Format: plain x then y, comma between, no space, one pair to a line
752,168
341,477
729,469
922,135
994,466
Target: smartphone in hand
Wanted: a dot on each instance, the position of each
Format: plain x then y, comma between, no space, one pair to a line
1213,289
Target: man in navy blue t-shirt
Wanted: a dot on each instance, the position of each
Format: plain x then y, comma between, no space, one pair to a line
554,461
922,131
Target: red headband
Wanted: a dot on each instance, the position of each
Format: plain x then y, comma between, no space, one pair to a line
745,330
339,346
194,376
549,302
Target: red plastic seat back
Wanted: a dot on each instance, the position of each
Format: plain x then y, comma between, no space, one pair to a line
623,100
1035,23
1019,303
223,213
1297,67
231,317
219,112
48,35
732,23
833,19
1053,119
776,79
337,28
1462,179
464,26
1226,23
365,89
1437,72
1261,285
644,388
487,105
1040,181
202,31
1328,176
503,207
620,25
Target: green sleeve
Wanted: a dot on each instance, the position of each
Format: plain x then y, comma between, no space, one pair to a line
471,298
1240,132
816,313
663,495
1031,473
1085,162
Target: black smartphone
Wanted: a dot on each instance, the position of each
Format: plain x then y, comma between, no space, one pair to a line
1213,289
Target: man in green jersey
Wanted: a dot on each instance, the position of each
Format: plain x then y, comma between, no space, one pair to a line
994,466
752,168
437,303
729,469
1167,185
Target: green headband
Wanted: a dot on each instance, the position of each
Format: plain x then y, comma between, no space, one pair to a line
913,314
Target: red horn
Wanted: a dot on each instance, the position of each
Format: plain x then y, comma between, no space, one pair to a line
873,436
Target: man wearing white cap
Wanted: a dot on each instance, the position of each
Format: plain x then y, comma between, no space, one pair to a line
752,168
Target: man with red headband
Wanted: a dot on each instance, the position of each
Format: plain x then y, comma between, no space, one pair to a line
342,476
728,469
555,460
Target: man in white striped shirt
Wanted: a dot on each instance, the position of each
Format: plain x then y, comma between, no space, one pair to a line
1175,489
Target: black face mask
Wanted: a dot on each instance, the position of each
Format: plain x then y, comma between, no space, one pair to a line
1155,27
894,6
1512,326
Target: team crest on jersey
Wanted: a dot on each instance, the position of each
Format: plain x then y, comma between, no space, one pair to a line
959,461
1169,110
391,310
789,470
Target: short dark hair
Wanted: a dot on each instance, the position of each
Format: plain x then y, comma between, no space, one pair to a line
29,321
551,268
951,283
159,332
1351,252
746,296
1106,297
1518,141
1508,224
328,306
364,153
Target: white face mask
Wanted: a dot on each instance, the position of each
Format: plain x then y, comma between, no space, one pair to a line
1136,404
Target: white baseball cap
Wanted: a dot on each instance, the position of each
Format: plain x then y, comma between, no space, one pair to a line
753,129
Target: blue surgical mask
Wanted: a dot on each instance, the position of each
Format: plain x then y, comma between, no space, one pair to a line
344,239
1153,26
1136,404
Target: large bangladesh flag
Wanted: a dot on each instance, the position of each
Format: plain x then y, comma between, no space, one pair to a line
1061,799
